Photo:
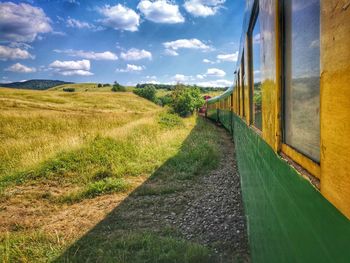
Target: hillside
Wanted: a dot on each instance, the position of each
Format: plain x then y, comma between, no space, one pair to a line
34,84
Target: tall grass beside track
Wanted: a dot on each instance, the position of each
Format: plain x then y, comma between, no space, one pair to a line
66,160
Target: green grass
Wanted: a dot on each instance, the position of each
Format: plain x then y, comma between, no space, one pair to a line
142,247
62,152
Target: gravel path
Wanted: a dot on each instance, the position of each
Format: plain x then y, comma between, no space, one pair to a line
215,216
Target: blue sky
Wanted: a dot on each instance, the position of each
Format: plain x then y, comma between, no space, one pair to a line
137,41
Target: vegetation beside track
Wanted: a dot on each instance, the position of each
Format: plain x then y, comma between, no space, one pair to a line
70,159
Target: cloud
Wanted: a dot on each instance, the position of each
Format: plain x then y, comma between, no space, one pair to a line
131,68
186,43
215,72
161,11
78,72
14,53
199,76
136,54
203,8
120,17
69,68
71,22
182,78
170,52
20,68
216,83
207,61
107,55
257,39
22,22
228,57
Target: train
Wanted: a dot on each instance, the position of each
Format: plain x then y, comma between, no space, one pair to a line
288,112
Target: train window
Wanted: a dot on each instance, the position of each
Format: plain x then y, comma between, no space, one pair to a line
239,92
242,84
255,39
302,76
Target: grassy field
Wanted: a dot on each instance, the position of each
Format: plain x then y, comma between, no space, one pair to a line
69,159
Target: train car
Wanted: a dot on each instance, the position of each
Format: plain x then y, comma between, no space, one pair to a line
288,111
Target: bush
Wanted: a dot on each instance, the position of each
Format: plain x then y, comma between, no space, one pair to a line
117,87
148,92
99,85
167,120
68,89
106,85
165,100
186,100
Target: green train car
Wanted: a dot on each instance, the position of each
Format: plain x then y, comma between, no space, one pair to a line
289,114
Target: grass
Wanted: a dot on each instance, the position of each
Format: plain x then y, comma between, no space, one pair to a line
70,159
87,87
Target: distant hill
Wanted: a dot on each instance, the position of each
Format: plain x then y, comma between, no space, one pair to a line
35,84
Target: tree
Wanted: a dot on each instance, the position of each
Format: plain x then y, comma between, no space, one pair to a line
186,100
148,92
99,85
117,87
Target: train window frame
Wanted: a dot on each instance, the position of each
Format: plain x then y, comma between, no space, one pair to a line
306,162
252,23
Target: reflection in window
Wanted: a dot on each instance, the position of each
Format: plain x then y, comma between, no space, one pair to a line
302,71
242,85
257,107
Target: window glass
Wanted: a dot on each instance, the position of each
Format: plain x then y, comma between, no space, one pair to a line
302,72
256,59
242,85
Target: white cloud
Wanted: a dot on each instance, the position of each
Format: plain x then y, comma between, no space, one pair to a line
71,22
14,53
200,76
257,39
131,68
182,78
215,72
69,68
20,68
120,17
107,55
203,8
136,54
170,52
207,61
78,72
186,43
161,11
215,83
228,57
22,22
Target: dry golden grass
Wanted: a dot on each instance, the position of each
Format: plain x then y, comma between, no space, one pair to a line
35,125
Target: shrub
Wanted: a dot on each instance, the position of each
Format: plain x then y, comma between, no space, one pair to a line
168,120
117,87
186,100
106,85
148,92
99,85
165,100
69,89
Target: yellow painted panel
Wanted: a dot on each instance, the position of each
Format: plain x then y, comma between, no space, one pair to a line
302,160
335,103
270,94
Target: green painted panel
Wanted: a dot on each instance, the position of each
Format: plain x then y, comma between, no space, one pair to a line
288,219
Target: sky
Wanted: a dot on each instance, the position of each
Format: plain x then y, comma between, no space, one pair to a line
136,41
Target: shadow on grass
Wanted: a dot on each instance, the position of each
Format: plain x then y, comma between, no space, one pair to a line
143,227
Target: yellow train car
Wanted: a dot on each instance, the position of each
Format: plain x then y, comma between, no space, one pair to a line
289,114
